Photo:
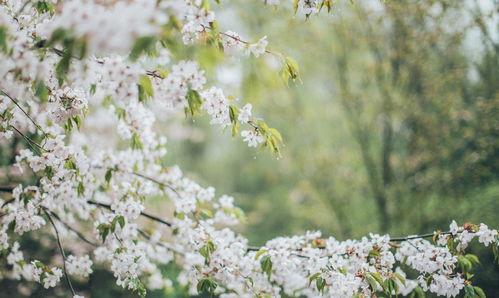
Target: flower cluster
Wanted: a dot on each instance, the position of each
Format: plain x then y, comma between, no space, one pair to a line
106,28
79,265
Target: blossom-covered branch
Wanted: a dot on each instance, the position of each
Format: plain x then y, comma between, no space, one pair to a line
85,84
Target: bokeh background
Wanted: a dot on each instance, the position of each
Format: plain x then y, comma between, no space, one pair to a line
394,127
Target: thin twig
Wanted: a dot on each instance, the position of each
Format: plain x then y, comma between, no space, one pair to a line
155,181
401,239
235,38
78,233
146,178
62,251
29,140
25,113
152,217
145,235
26,138
21,9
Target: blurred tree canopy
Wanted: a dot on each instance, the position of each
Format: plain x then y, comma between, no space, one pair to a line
394,128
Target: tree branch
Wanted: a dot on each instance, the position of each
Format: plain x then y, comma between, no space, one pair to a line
145,235
62,251
151,217
78,233
25,113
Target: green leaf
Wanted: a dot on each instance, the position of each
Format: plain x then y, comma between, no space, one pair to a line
70,165
103,230
313,277
479,292
235,129
233,113
3,39
260,252
464,264
377,277
178,215
118,219
57,36
41,91
135,142
472,258
80,189
49,172
77,121
44,6
204,251
194,101
11,226
295,5
146,90
109,175
373,253
469,291
266,264
205,5
390,286
372,283
5,252
418,292
62,67
137,286
206,286
211,246
399,277
275,133
121,221
142,45
39,264
238,212
452,246
320,283
121,113
80,48
294,70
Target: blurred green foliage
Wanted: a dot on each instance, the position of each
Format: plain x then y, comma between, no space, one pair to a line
395,127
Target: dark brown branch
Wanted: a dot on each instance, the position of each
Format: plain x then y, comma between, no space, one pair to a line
8,189
250,248
146,178
21,10
62,251
26,138
155,181
235,38
78,233
151,217
145,235
25,113
422,236
29,140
